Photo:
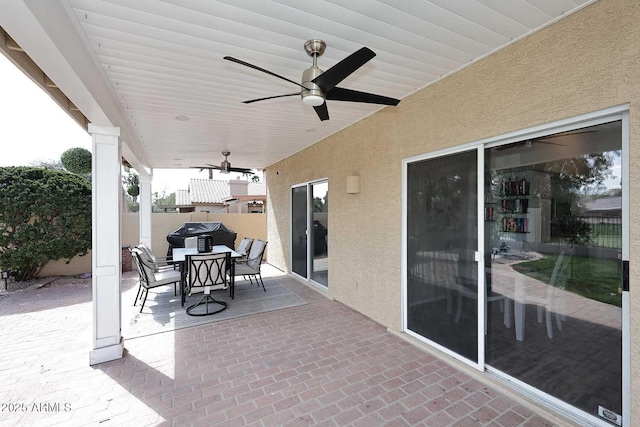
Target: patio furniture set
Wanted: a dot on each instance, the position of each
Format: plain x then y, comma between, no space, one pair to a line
199,270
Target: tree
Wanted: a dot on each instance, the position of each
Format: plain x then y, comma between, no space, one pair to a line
77,160
48,164
133,185
45,215
162,200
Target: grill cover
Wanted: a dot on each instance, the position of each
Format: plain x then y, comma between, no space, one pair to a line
220,235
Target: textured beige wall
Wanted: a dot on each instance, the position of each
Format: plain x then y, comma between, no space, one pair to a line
586,62
245,225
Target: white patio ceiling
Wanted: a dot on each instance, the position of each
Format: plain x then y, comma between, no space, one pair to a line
145,64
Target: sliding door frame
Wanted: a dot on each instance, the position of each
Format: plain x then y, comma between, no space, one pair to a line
466,148
309,233
617,113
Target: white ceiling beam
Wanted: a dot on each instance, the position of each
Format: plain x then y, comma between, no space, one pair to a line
45,31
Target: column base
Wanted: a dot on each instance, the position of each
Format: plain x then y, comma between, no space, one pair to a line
106,354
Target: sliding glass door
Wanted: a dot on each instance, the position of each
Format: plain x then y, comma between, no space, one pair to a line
554,251
319,232
299,226
442,284
310,231
525,273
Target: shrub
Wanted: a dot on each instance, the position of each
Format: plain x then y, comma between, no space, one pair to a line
77,160
133,187
45,215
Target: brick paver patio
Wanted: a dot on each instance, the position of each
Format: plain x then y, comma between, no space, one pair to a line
318,364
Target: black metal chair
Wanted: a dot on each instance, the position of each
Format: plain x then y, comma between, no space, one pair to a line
149,278
159,264
206,273
251,267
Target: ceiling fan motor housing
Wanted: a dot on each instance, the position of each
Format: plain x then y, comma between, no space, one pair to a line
313,90
225,165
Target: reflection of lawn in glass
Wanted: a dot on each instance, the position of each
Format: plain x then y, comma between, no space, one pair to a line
593,278
606,235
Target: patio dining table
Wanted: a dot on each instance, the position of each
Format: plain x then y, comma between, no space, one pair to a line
180,254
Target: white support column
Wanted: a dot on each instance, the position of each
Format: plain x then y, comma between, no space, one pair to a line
106,245
145,210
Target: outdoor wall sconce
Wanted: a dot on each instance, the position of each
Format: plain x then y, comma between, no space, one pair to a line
353,184
4,275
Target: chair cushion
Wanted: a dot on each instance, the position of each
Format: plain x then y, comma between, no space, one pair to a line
145,254
166,277
242,269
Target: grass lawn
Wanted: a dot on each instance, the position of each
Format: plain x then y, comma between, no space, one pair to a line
594,278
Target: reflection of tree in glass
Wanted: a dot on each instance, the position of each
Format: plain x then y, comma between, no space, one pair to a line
578,174
571,179
318,204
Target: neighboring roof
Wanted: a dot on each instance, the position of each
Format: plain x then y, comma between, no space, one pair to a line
182,198
208,190
256,189
604,204
212,191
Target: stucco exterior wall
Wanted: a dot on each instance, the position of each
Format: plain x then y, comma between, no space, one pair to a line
245,225
586,62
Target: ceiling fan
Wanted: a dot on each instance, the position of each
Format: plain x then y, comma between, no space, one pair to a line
318,85
225,167
544,140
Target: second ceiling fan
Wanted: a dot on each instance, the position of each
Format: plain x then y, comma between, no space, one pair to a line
225,167
318,85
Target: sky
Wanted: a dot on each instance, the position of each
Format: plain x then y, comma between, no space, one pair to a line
34,128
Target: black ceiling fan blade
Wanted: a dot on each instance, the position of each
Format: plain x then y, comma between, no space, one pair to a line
241,170
205,167
334,75
527,143
322,111
562,135
544,141
255,67
341,94
270,97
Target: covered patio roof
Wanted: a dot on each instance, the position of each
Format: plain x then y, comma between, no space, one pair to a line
156,69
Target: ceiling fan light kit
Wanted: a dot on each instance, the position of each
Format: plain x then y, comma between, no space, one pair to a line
313,95
313,100
318,85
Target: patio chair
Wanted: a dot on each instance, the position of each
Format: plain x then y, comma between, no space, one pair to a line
243,249
465,291
251,268
159,264
149,278
207,273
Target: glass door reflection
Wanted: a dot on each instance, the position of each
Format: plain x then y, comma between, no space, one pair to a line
319,232
553,228
299,222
